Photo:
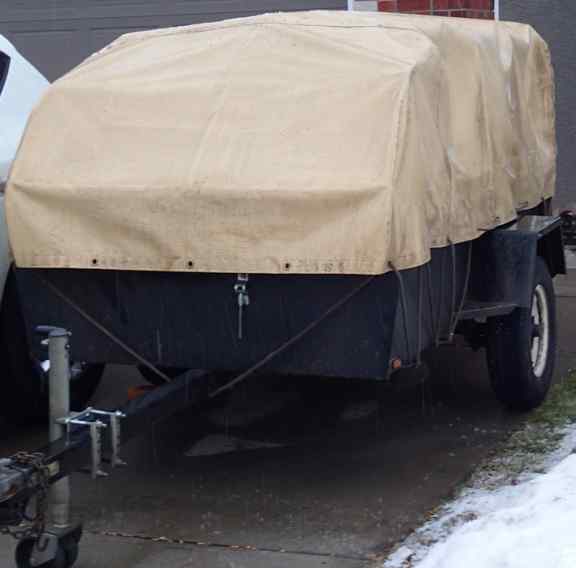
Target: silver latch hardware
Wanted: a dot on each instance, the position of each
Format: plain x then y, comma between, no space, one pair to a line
241,290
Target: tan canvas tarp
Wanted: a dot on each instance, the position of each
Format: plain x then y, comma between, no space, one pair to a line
318,142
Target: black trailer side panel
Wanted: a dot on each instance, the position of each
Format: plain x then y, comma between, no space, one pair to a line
190,320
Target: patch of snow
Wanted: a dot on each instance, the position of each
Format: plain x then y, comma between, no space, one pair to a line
526,524
399,557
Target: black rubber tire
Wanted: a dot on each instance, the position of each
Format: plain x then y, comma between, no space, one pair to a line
23,556
508,351
23,383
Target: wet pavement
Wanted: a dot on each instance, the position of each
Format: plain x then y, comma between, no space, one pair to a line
325,478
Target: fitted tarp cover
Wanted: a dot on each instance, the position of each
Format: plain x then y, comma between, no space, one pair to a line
315,142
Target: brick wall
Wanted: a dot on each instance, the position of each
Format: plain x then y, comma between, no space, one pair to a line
460,8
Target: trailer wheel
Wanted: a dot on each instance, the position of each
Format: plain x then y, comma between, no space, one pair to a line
23,380
521,347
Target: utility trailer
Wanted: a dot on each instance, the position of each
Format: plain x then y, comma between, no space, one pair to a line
293,223
497,293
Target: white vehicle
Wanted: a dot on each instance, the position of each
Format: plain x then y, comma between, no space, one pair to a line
22,378
21,85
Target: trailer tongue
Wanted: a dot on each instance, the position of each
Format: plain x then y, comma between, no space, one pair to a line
34,487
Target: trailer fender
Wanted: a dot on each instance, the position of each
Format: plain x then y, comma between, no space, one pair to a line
504,259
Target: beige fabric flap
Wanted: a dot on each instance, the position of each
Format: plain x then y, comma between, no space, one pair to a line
315,142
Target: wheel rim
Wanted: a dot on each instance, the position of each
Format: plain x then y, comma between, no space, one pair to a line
541,331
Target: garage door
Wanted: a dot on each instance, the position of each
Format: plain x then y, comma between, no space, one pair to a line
57,34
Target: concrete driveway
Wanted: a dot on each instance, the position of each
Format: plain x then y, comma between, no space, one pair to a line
326,479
